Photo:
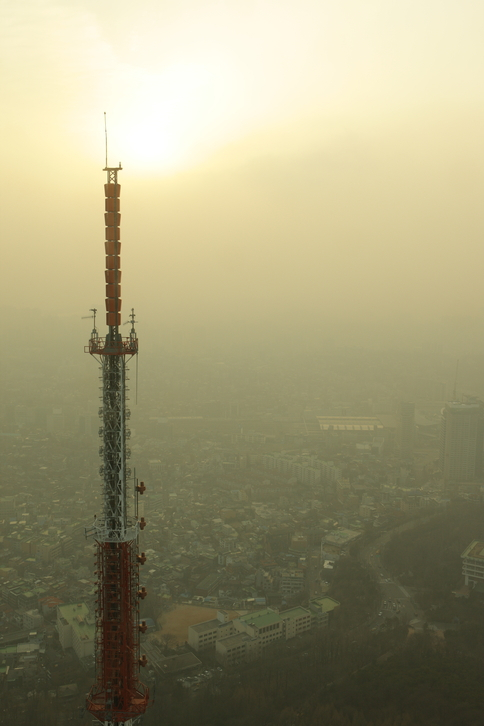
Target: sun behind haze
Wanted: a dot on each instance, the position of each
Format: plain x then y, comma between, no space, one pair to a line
282,161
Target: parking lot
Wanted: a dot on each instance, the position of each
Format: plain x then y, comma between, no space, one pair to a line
200,680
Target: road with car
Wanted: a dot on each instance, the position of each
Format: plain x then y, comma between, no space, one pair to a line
396,600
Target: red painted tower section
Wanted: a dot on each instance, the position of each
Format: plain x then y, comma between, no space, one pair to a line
118,696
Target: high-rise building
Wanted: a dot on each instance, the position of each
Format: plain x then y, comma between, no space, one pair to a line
406,428
461,441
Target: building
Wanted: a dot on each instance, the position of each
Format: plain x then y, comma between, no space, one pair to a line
350,426
32,619
265,581
276,539
19,597
366,511
473,563
264,625
461,441
298,543
336,541
292,581
295,621
204,636
76,629
245,638
406,429
238,648
321,609
206,586
48,551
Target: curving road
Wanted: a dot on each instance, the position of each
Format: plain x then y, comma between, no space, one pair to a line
396,600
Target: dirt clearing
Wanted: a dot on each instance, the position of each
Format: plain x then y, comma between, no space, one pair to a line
177,621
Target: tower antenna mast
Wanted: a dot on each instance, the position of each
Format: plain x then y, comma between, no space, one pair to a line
454,393
106,138
118,697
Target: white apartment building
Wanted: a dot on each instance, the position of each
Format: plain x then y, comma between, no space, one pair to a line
263,625
320,608
295,621
204,636
238,648
76,629
473,563
245,638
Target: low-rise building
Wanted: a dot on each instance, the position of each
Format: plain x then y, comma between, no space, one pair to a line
204,636
206,586
238,648
321,609
337,540
32,619
264,625
292,581
295,621
246,637
265,580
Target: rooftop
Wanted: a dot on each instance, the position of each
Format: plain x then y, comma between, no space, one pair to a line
475,550
232,640
206,625
341,536
261,618
461,406
294,613
326,604
349,423
79,619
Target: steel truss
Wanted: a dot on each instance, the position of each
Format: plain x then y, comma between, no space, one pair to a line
118,697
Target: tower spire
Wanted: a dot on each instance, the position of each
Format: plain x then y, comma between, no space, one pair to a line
118,696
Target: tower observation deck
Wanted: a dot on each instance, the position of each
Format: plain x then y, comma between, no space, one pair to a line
118,697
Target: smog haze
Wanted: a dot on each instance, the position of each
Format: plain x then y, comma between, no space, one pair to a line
314,167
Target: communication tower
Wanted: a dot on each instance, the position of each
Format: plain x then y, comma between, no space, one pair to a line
118,697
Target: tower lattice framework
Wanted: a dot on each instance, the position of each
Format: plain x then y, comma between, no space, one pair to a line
118,697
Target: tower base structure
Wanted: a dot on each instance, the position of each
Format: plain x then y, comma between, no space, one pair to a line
118,696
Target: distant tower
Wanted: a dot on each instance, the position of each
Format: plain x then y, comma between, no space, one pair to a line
118,696
461,441
406,429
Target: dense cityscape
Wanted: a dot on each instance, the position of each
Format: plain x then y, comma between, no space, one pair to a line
266,479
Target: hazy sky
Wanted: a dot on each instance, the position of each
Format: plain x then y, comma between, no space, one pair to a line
283,161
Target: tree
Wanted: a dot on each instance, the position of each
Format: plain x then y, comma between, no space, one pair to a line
168,640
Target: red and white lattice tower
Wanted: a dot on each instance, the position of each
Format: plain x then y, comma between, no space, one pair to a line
118,696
